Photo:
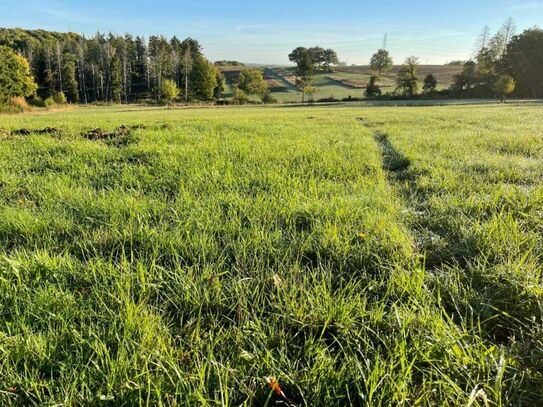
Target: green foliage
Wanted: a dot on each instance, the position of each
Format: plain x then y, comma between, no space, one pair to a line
309,91
298,54
239,97
116,80
467,78
15,76
330,58
228,63
373,89
407,82
430,84
49,102
60,98
252,82
267,98
320,58
36,101
169,91
221,84
381,62
505,85
203,79
69,78
523,61
304,70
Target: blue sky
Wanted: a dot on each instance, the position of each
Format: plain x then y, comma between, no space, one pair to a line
265,31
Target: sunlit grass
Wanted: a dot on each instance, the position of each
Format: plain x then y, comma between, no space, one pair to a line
221,247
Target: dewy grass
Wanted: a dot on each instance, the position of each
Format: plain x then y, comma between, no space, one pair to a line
222,250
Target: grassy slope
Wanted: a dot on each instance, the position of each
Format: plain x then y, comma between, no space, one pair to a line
376,255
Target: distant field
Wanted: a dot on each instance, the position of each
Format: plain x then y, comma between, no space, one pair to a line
373,256
343,82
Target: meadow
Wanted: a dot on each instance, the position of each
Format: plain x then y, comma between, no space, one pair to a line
319,256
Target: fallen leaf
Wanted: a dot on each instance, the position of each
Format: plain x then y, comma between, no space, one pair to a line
276,387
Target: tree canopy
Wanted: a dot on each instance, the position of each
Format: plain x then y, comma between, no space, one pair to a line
321,59
430,84
105,67
523,60
381,62
15,76
203,79
407,81
252,82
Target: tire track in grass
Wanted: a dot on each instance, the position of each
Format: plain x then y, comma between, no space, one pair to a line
402,178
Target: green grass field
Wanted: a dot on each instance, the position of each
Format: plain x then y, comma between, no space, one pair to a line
356,255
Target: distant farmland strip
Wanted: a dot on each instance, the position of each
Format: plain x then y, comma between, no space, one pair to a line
287,82
351,83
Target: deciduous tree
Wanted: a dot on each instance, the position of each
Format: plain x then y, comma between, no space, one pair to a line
430,84
381,62
169,91
524,62
373,89
15,76
252,82
203,79
408,82
505,85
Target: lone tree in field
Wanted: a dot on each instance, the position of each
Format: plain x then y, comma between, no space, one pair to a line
15,76
304,71
430,84
251,81
408,82
169,91
505,86
381,62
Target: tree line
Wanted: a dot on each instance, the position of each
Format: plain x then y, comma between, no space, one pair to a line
503,63
113,68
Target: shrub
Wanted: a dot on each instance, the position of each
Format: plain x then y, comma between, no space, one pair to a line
267,98
49,102
36,101
60,98
240,98
373,89
19,104
169,91
328,100
351,99
430,84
